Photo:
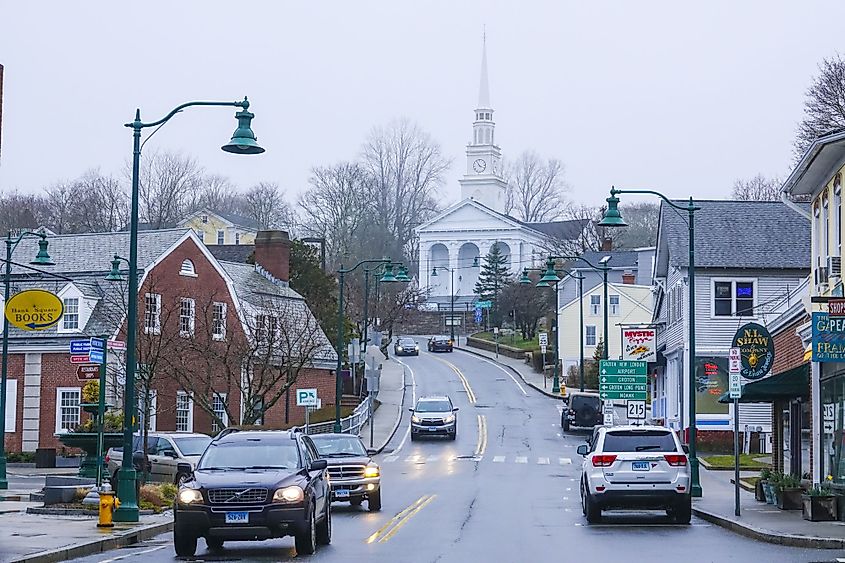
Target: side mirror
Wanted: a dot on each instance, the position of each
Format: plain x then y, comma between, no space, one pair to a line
371,451
582,449
410,409
170,453
685,447
318,465
456,409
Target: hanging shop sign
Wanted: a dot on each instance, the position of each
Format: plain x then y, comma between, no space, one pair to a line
639,344
757,350
34,309
828,338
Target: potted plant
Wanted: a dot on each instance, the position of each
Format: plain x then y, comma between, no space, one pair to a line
759,492
819,504
788,491
770,484
84,437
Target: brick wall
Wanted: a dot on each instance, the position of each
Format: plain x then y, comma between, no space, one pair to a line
789,350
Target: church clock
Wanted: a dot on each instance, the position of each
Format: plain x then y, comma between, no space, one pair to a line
479,165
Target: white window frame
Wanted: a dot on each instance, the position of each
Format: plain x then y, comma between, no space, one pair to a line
59,391
223,397
614,310
587,336
215,334
153,327
11,405
837,203
187,268
237,238
190,421
221,236
187,321
66,315
595,305
733,282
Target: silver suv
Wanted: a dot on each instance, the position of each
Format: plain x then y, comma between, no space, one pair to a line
166,451
641,467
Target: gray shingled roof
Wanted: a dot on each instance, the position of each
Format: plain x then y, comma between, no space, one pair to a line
737,234
239,220
564,230
231,252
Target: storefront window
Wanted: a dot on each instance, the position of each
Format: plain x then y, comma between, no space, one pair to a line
711,382
833,428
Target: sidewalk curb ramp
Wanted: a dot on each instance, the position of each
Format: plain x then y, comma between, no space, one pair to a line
791,540
398,416
543,391
129,537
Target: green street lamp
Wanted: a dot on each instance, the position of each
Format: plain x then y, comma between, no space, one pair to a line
612,218
41,259
403,274
243,141
451,299
387,277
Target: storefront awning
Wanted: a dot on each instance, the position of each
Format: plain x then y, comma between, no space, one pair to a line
781,387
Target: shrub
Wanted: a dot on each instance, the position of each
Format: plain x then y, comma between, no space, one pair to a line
20,457
168,492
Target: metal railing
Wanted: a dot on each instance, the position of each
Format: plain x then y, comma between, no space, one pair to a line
348,425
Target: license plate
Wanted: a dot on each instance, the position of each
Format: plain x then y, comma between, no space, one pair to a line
237,517
639,465
432,429
341,493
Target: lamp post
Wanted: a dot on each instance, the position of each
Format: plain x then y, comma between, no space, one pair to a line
612,218
451,299
243,141
387,277
41,259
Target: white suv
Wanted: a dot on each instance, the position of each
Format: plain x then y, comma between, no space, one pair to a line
635,467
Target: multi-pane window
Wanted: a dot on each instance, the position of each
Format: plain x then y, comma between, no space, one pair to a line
67,408
590,336
70,320
218,321
186,316
237,238
184,412
152,313
205,218
613,304
218,405
221,237
595,304
733,298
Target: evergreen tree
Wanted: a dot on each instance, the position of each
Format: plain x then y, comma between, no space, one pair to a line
494,277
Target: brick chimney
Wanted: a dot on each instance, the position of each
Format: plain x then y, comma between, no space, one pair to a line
628,278
606,244
272,252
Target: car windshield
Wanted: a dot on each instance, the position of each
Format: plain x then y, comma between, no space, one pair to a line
193,445
639,441
441,339
406,342
581,401
434,406
251,454
339,446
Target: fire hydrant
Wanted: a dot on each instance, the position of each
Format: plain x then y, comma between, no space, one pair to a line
108,504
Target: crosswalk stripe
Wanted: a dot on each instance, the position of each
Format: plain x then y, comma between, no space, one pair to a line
432,458
565,461
521,459
390,459
542,461
498,459
411,458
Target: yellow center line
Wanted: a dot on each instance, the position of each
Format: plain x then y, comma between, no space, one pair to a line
405,520
396,518
464,382
482,435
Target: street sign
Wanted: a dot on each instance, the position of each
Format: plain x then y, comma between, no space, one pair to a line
484,304
478,315
544,338
79,359
543,349
623,379
636,409
306,397
87,372
608,419
80,346
495,330
34,309
735,369
97,353
116,345
836,307
828,412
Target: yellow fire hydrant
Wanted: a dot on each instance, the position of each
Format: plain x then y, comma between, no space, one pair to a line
108,504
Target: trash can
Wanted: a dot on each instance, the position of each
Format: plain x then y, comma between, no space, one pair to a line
45,457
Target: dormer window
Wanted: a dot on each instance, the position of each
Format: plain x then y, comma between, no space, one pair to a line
187,269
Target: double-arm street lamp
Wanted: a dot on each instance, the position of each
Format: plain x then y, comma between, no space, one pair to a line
451,299
612,218
243,141
388,276
41,259
401,276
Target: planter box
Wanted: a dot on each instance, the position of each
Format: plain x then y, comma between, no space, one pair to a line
87,441
789,499
819,509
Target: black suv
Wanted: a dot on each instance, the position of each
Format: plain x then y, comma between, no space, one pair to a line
255,485
583,409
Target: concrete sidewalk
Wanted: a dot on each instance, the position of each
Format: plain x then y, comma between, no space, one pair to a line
391,398
759,520
520,367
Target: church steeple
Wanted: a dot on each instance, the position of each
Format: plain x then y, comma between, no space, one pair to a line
484,86
483,128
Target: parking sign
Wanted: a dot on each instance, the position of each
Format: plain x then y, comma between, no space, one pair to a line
306,397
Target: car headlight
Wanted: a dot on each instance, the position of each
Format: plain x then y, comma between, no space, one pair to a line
190,496
294,493
449,419
371,471
416,347
415,418
399,348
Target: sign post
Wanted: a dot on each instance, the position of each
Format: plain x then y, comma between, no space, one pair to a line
735,389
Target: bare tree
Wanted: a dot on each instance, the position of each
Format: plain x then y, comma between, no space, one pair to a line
100,203
758,188
219,194
21,211
824,105
169,187
535,188
59,199
265,203
527,304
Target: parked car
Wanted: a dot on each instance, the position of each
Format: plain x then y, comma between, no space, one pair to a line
440,344
255,485
582,410
353,474
165,452
406,346
639,467
434,416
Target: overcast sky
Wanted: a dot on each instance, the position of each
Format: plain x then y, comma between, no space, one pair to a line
676,96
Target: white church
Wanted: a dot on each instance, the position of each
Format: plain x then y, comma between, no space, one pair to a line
456,241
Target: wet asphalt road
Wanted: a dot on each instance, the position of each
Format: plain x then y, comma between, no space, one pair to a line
505,491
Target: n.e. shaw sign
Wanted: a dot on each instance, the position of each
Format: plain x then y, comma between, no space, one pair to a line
639,344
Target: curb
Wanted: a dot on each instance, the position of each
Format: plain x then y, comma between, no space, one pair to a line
131,536
506,366
398,417
779,538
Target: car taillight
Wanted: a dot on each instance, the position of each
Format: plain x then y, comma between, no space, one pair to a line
676,460
107,458
603,460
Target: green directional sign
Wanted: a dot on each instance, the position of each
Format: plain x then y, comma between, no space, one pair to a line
623,379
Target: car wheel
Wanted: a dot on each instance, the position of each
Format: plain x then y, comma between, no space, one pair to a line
184,544
306,542
453,435
591,511
356,501
324,528
681,513
214,543
413,437
374,501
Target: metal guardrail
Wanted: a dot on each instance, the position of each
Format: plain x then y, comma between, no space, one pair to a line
348,425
